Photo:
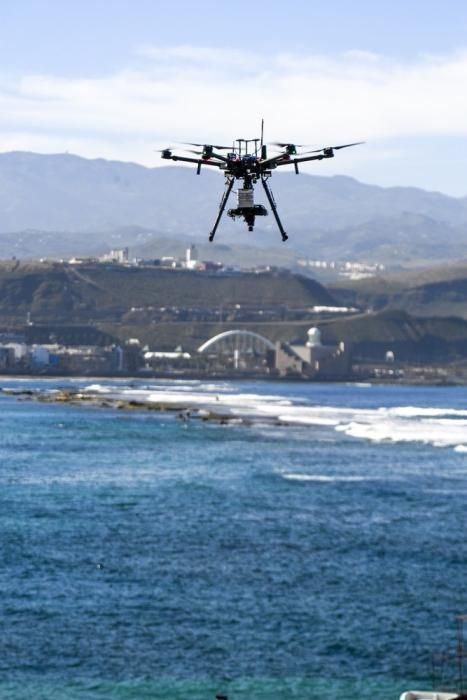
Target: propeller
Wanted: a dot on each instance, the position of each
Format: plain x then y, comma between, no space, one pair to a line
206,153
346,145
335,148
209,145
287,145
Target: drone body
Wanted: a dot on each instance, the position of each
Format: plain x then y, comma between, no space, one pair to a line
250,165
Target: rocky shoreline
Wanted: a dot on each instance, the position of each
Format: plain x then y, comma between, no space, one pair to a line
183,411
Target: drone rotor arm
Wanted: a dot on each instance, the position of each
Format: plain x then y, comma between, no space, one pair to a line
294,161
197,161
223,159
206,158
280,159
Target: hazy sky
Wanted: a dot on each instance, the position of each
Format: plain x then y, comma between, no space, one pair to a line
118,79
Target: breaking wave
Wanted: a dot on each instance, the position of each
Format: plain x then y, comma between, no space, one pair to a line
436,426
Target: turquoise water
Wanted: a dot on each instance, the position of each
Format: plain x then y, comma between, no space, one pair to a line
147,557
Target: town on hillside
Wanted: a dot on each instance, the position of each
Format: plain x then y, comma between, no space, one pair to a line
114,316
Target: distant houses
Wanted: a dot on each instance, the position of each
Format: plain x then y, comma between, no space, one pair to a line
233,352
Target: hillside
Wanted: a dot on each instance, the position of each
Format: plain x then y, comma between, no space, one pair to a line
52,205
435,291
61,293
101,304
421,340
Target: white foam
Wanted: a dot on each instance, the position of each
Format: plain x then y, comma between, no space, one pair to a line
439,433
417,411
97,389
310,418
437,426
322,477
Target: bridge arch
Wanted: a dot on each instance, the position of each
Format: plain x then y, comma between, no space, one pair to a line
238,342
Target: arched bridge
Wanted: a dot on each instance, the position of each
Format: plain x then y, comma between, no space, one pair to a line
238,342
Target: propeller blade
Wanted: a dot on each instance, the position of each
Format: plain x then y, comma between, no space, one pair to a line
285,145
319,150
336,148
209,145
346,145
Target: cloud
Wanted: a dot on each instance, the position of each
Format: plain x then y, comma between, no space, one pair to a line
190,93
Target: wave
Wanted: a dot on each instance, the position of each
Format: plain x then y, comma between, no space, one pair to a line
322,477
436,426
417,411
97,389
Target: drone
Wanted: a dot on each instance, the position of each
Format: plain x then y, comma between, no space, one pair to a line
247,160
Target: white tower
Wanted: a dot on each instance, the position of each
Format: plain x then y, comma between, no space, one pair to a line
191,257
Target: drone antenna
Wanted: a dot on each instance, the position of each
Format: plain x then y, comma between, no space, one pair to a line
264,150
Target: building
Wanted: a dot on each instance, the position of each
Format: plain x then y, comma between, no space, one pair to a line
191,260
313,359
117,255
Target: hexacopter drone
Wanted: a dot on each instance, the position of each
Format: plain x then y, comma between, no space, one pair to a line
250,165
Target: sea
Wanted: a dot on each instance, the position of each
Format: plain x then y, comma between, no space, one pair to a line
311,546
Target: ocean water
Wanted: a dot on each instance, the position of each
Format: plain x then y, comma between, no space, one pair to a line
315,549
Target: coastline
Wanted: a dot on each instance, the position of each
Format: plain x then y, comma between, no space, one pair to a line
415,379
390,414
183,410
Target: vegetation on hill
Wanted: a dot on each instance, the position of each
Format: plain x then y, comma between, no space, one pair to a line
91,293
438,291
168,308
410,338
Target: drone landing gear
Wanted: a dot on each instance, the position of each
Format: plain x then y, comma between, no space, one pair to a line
249,211
272,203
228,188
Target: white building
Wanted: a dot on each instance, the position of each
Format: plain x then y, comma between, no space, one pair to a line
191,258
313,358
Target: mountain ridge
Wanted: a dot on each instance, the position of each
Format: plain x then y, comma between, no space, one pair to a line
332,217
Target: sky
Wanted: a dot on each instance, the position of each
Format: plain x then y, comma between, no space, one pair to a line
118,79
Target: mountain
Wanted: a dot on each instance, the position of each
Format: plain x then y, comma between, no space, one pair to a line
435,291
56,203
396,241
